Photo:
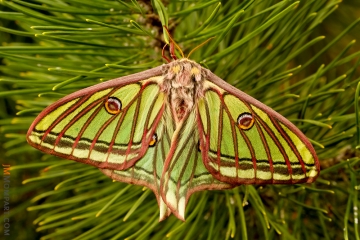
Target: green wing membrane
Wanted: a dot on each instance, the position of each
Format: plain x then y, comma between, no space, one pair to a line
148,170
271,150
81,128
173,169
184,171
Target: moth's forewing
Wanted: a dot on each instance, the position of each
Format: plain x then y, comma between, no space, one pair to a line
268,148
81,128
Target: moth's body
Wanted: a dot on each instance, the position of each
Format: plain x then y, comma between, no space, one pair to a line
176,129
183,82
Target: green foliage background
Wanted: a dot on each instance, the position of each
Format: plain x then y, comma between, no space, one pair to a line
299,57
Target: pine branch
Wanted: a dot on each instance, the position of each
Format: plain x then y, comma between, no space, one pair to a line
298,57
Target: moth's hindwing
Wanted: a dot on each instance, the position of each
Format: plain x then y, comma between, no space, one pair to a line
147,171
184,171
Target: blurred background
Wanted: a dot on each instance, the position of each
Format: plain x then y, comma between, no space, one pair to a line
299,57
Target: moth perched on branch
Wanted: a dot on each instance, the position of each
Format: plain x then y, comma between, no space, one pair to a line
176,129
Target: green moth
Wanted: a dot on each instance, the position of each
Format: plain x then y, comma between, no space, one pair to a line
176,129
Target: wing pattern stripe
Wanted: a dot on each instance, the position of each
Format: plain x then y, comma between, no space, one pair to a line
69,110
291,144
133,125
73,107
220,123
181,175
70,143
72,121
190,180
84,127
95,141
273,137
248,143
181,150
105,125
117,128
142,144
267,150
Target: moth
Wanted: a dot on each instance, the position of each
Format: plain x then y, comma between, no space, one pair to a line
176,129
